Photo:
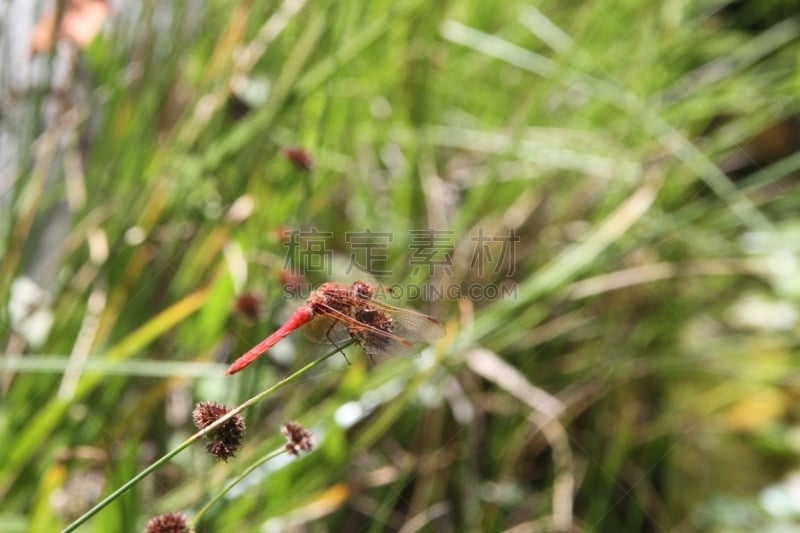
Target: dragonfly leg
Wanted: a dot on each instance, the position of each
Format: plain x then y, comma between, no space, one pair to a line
328,335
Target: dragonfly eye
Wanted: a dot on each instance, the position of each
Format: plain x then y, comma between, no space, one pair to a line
363,290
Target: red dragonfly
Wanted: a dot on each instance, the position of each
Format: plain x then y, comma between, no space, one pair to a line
337,313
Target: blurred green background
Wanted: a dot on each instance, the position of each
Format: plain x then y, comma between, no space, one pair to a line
638,374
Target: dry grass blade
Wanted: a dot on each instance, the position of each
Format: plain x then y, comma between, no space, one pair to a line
546,410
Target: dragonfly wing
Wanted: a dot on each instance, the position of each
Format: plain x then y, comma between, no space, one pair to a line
411,325
326,329
380,329
383,346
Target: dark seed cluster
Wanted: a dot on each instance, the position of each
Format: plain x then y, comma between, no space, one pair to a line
225,440
298,438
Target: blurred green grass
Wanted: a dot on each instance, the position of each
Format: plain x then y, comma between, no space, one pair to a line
641,376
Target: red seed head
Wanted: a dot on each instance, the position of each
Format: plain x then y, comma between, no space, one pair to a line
293,282
168,523
248,305
299,158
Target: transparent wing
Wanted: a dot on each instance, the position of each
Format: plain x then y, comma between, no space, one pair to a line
372,327
412,325
395,330
326,329
377,345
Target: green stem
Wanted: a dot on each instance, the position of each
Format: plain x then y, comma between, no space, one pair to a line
196,519
185,444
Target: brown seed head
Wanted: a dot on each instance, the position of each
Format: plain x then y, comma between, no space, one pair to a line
225,440
168,523
298,438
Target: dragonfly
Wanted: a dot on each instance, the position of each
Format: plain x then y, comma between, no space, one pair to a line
338,313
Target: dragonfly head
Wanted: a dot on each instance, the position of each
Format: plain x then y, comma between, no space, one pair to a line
363,290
